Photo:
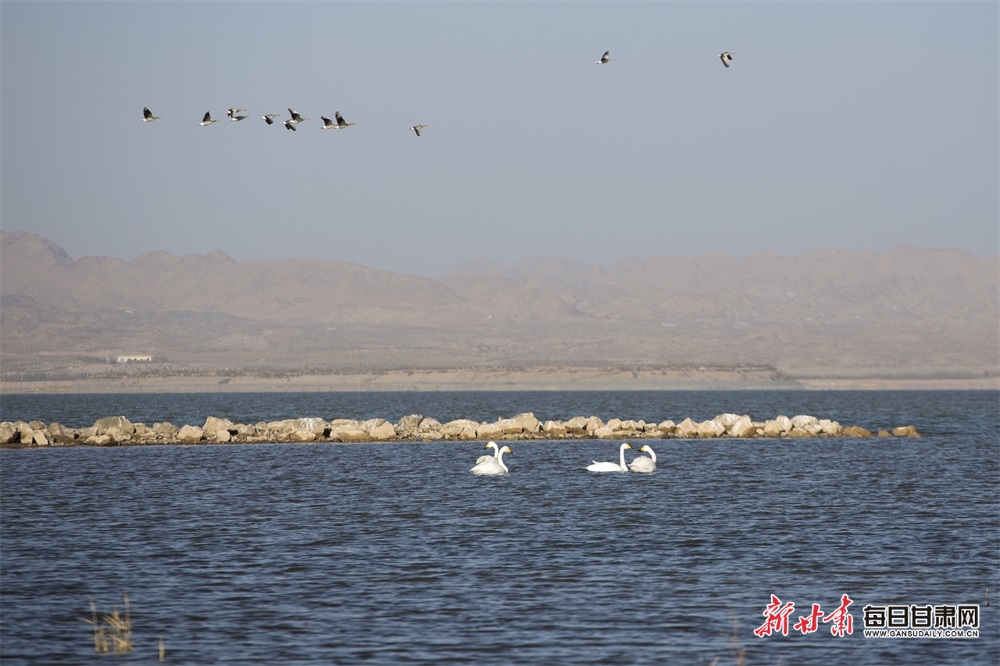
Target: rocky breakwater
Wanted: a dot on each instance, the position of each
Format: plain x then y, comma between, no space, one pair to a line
119,431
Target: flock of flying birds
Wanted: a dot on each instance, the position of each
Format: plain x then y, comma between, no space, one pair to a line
294,118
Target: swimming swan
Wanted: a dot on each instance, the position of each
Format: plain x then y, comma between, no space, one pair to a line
610,466
483,458
642,463
493,465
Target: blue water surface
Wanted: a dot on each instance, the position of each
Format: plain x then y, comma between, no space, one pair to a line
396,554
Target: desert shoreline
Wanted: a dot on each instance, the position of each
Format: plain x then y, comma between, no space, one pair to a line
542,379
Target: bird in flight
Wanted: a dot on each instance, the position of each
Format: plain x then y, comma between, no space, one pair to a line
207,120
147,115
416,129
295,117
269,118
605,59
726,57
290,124
341,123
232,114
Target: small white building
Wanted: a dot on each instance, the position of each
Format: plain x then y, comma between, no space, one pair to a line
135,359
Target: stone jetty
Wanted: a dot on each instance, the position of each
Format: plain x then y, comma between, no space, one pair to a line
119,431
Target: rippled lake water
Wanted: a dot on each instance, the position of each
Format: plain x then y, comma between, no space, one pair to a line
396,554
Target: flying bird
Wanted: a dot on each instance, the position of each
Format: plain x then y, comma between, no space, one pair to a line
232,114
207,120
290,124
147,115
726,57
416,129
341,123
327,123
269,118
605,59
295,117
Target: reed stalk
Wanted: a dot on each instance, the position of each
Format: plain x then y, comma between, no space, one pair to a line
112,631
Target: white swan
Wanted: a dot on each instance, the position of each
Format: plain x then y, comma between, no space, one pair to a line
610,466
483,458
642,463
493,465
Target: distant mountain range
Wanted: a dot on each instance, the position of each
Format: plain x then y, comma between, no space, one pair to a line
917,312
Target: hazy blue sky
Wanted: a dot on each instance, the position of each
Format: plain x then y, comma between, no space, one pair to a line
849,125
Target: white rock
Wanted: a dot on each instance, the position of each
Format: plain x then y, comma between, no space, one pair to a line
189,433
213,424
709,429
303,434
429,424
384,433
593,423
605,432
457,427
803,420
510,426
349,434
528,422
554,428
7,432
119,422
772,428
727,420
489,431
742,427
687,428
832,428
165,429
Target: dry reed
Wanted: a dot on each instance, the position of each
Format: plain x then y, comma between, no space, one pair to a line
112,631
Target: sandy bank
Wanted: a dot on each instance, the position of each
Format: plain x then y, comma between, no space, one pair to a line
532,379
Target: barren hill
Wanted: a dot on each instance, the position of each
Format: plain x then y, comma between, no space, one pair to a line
910,312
